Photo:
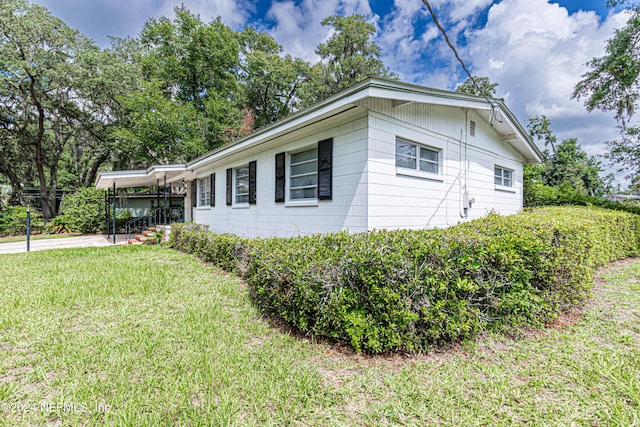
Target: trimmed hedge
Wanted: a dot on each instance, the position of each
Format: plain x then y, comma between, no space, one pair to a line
405,290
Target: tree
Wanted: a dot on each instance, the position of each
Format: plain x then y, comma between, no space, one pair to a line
567,167
348,57
613,84
270,82
540,129
479,86
50,84
613,81
186,103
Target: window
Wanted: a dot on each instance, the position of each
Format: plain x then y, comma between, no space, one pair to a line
242,184
303,181
417,157
204,191
502,176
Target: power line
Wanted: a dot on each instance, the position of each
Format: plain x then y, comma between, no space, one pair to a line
455,52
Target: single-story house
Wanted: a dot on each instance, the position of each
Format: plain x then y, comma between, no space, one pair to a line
381,154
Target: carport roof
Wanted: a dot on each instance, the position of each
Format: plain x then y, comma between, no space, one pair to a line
142,178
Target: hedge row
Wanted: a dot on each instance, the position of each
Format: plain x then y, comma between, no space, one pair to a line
405,290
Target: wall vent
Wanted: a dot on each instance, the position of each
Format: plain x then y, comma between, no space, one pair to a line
472,128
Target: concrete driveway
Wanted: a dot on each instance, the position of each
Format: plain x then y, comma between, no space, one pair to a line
67,242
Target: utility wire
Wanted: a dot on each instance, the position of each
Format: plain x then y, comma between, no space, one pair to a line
455,52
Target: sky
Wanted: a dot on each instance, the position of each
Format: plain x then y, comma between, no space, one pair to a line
536,50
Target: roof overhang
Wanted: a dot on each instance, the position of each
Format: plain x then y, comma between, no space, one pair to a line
493,110
142,178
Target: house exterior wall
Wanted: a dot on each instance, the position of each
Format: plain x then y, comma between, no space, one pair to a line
400,198
347,210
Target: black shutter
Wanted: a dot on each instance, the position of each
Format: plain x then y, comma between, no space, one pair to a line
229,186
325,169
212,191
252,182
194,193
280,177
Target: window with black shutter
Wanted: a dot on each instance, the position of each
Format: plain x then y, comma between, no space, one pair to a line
325,169
229,186
194,193
280,177
252,182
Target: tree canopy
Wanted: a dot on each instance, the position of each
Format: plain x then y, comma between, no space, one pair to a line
69,109
613,84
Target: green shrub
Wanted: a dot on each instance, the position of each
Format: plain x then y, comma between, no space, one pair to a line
13,221
60,224
85,209
406,290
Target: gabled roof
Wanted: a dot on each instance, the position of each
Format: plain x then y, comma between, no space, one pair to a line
493,110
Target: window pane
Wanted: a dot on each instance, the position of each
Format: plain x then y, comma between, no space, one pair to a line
242,185
242,172
304,181
503,177
303,177
405,149
311,167
428,166
427,154
304,193
204,196
304,156
405,162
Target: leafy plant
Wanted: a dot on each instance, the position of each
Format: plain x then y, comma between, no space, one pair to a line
60,225
13,221
405,290
84,210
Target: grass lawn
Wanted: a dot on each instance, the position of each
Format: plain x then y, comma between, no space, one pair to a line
12,239
148,336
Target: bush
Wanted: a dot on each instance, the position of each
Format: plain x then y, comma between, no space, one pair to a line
406,290
85,210
13,221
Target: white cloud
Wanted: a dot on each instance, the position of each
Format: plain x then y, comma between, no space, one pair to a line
537,58
298,27
234,13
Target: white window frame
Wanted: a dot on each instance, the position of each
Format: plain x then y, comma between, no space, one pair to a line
236,181
500,179
417,171
291,201
204,192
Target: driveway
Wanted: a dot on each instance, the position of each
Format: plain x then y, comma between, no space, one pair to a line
67,242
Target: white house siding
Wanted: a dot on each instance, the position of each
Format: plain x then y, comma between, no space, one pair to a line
400,201
346,211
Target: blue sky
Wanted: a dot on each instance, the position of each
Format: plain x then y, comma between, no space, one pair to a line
535,49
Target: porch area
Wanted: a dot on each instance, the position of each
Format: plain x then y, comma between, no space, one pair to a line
138,200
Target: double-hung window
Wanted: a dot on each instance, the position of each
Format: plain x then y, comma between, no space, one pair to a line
242,185
204,191
503,176
303,183
414,156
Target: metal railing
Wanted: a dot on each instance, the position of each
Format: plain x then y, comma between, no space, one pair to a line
156,217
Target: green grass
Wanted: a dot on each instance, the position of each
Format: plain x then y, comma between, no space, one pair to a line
158,338
12,239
